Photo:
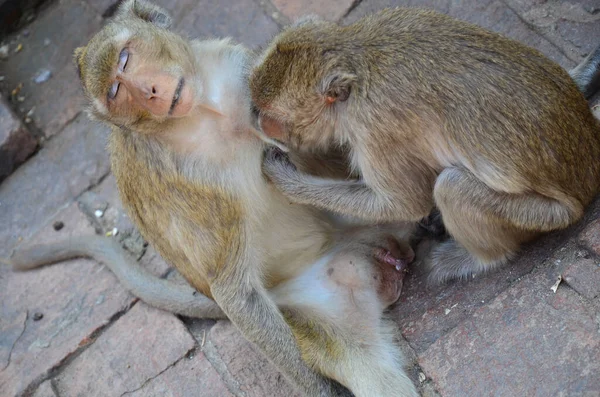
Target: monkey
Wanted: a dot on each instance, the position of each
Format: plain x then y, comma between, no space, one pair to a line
436,112
188,165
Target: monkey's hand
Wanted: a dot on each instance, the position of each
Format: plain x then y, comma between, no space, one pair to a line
278,167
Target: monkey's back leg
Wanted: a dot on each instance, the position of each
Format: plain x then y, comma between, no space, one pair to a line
335,311
487,226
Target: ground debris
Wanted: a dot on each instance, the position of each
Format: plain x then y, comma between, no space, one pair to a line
556,284
42,76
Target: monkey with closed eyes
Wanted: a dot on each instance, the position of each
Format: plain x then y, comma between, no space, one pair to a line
435,112
309,293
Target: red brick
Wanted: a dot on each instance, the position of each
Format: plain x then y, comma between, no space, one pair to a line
590,236
332,10
133,351
528,341
248,369
67,24
68,165
571,25
243,20
45,390
16,142
584,277
76,298
425,313
193,376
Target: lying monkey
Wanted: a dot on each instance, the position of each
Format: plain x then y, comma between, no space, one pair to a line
439,112
188,169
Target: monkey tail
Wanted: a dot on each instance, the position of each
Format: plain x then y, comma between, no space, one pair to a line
587,74
160,293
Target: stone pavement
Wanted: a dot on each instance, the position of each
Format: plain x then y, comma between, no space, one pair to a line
72,330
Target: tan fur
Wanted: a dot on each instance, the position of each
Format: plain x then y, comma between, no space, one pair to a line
193,185
436,112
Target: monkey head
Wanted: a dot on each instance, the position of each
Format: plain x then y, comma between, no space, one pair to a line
135,72
302,84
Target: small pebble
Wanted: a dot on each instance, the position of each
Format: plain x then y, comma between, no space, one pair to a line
46,42
4,52
19,48
31,111
21,98
98,213
43,76
58,225
26,33
1,78
38,316
27,120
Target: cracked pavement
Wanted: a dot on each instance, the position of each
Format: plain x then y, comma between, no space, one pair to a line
72,330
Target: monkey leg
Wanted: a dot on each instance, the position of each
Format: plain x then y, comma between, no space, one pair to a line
157,292
486,226
335,310
241,295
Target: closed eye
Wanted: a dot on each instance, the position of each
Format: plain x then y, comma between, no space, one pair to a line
123,58
114,89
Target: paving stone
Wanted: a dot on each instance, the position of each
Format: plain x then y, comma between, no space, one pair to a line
243,20
45,390
590,236
67,166
584,277
16,142
176,9
491,14
572,25
425,313
528,341
67,25
241,365
192,376
75,298
332,10
136,349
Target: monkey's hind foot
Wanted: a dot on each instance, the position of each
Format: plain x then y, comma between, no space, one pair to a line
450,260
432,226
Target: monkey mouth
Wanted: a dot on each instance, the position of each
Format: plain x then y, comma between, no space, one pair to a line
176,95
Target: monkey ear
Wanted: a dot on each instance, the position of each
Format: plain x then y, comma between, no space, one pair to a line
146,11
337,87
78,59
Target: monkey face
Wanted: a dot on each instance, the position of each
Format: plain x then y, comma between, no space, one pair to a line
300,89
135,71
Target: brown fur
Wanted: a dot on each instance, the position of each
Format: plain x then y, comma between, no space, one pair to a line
193,186
436,111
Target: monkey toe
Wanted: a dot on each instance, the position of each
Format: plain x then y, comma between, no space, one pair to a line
432,226
451,261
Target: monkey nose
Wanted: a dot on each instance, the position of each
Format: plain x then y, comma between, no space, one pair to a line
151,92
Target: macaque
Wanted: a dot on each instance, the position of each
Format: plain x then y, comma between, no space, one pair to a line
187,161
436,112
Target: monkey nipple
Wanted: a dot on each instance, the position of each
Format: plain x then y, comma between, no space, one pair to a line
385,256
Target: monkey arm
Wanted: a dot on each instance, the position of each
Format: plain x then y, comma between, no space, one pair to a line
157,292
347,197
246,303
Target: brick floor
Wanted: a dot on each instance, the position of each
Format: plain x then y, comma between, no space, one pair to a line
503,334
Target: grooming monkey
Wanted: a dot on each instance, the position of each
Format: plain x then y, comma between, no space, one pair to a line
188,169
439,112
